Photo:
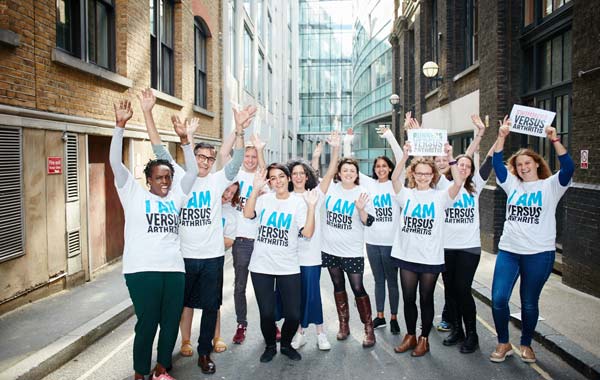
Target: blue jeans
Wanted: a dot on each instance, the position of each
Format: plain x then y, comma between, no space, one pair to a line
534,271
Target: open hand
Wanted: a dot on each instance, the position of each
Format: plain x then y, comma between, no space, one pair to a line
147,100
257,142
123,112
260,179
334,139
243,118
504,129
362,201
311,197
318,149
179,126
191,127
478,124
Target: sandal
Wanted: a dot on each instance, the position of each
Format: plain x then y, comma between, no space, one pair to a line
220,345
186,348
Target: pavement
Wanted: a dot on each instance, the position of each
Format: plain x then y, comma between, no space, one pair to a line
40,337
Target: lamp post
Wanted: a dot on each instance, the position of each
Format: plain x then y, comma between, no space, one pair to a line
396,107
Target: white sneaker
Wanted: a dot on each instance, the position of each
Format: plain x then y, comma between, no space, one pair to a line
298,341
323,342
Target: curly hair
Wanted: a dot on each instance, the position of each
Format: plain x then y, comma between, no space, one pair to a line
469,184
423,161
312,180
543,170
349,161
154,163
389,163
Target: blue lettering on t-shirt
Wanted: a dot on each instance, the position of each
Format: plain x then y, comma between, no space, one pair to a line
279,220
423,211
527,199
162,207
344,208
199,199
383,200
466,202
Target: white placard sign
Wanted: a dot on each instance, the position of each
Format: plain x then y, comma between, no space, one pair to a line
530,121
427,142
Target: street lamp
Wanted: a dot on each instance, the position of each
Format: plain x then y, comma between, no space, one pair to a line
430,70
396,106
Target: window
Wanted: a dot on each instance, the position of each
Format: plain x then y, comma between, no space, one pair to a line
269,34
471,33
201,33
11,190
434,41
260,82
248,42
86,30
248,7
162,44
270,94
259,18
534,11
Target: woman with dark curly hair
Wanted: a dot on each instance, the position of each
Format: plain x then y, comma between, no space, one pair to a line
418,248
528,242
152,261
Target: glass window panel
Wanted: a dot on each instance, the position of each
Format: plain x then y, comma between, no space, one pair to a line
260,82
559,3
546,7
545,63
103,36
566,56
153,17
247,61
92,29
259,18
65,25
167,23
248,7
529,15
557,59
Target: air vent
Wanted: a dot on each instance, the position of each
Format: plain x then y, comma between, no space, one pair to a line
72,185
73,244
11,190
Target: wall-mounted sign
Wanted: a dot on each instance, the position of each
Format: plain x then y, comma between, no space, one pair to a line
583,162
54,165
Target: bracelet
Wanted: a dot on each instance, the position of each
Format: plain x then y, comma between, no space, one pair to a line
452,162
555,140
479,136
240,134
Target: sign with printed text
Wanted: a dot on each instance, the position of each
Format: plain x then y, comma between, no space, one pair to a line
54,165
583,164
427,142
530,121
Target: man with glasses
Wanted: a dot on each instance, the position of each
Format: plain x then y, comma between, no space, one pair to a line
201,230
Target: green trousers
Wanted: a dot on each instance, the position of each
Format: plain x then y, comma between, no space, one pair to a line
158,300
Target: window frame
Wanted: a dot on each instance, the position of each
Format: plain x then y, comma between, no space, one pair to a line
201,31
162,77
79,31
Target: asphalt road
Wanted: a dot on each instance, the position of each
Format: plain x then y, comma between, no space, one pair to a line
111,357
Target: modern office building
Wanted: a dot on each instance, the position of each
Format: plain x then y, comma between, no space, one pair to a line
325,62
260,64
372,79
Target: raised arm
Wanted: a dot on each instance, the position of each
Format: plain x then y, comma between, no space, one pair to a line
386,133
480,131
397,177
499,168
311,197
486,167
260,150
458,180
567,166
348,139
186,135
334,142
147,102
316,157
243,119
123,112
260,180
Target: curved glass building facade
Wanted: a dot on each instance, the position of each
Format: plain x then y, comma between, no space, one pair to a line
372,79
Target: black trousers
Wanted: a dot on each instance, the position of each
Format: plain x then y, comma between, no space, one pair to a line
291,297
460,270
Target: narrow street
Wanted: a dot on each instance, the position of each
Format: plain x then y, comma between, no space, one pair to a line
111,357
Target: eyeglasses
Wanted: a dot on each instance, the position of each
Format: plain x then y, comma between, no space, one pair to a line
201,157
423,174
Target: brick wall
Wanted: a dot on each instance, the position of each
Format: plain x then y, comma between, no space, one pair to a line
29,78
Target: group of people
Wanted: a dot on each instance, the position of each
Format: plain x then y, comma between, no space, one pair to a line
284,223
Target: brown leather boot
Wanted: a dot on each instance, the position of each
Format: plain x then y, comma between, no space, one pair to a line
422,347
341,304
364,310
408,343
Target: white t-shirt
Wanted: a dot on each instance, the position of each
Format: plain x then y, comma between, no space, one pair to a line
152,241
530,225
462,218
420,237
201,225
246,227
386,210
443,183
230,219
309,250
342,230
276,245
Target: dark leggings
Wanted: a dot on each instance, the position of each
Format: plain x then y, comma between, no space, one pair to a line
289,287
339,283
460,270
426,282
